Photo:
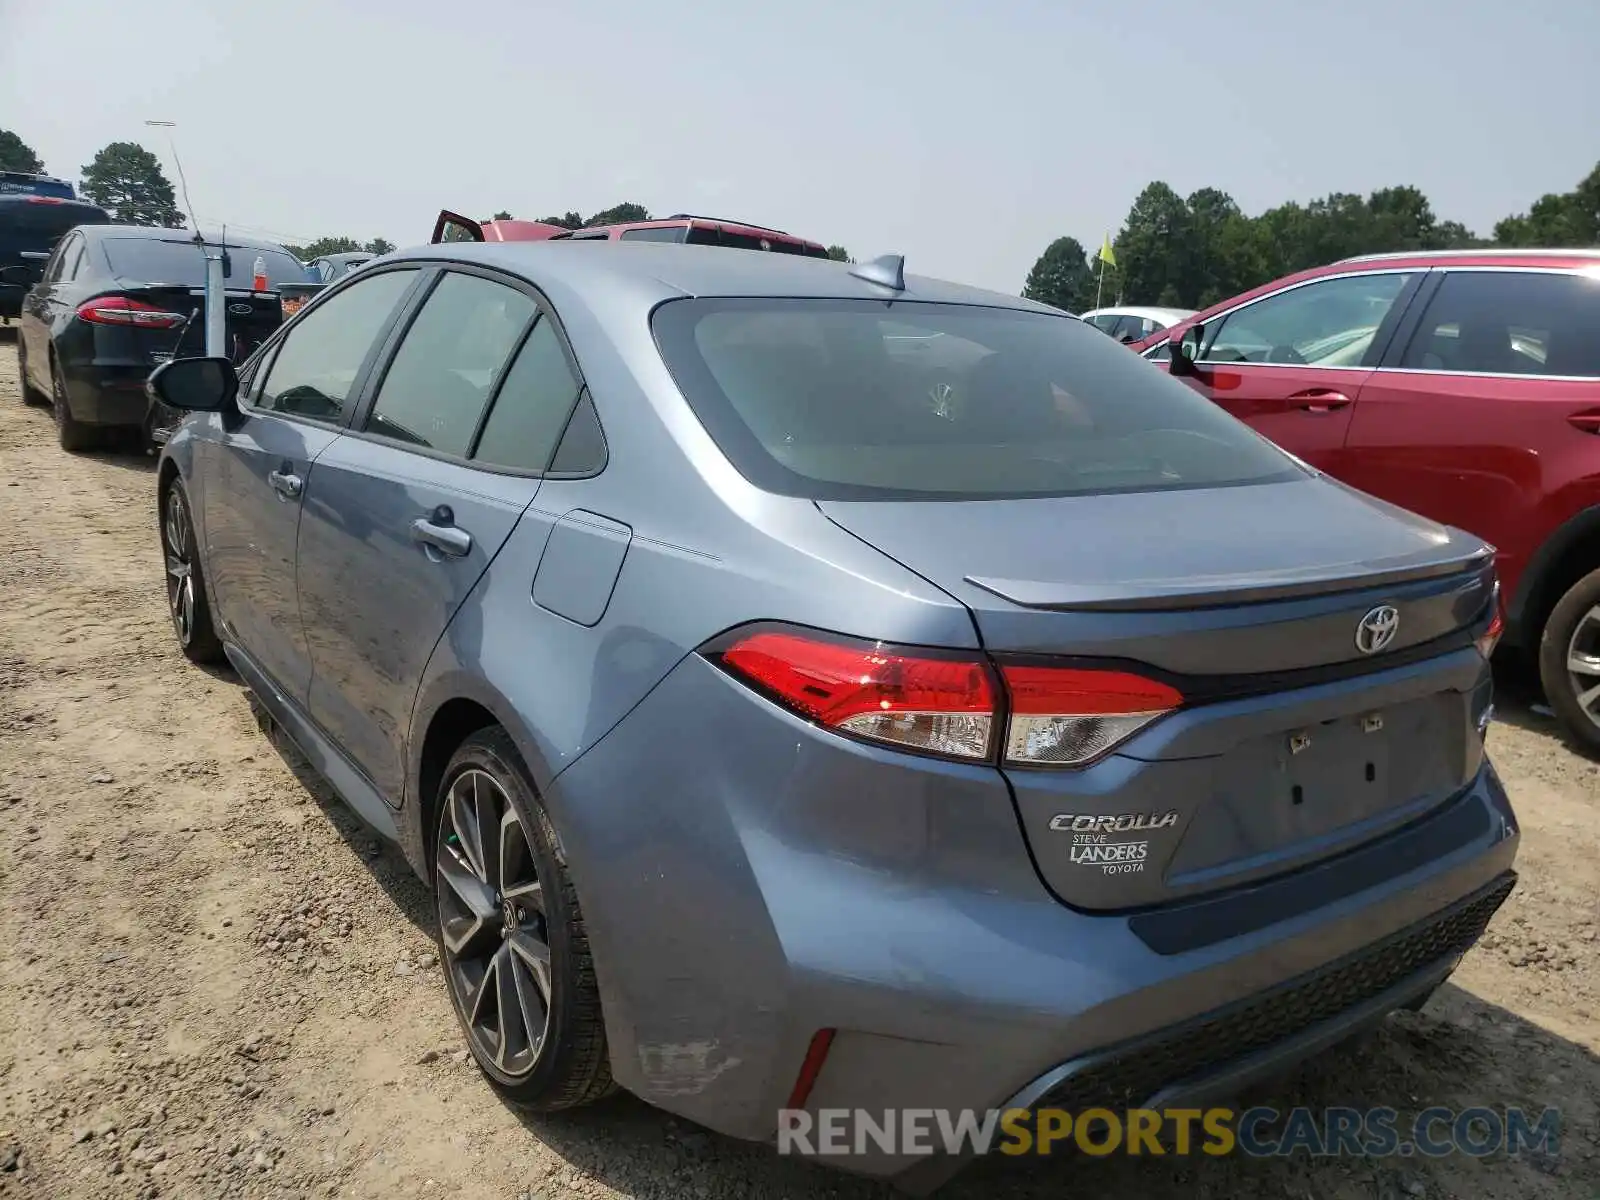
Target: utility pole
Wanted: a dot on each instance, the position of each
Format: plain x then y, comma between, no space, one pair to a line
216,301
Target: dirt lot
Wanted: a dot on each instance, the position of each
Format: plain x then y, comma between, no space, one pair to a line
214,983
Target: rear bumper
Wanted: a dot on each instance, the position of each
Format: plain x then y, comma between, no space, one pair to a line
102,393
773,881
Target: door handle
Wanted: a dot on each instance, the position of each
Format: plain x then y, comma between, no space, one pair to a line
438,534
1319,400
286,484
1588,422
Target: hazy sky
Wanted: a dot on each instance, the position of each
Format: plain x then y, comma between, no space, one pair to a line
963,134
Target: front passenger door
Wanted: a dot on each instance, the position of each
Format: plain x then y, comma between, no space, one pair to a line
1291,364
263,465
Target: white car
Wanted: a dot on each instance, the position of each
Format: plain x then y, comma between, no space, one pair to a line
1132,322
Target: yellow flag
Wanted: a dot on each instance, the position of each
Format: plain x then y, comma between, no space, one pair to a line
1107,255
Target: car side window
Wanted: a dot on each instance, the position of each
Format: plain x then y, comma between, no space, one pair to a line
1329,323
1510,323
320,359
655,233
57,264
76,254
532,406
1159,353
441,377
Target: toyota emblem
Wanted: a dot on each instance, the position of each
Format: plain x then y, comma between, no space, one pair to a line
1377,629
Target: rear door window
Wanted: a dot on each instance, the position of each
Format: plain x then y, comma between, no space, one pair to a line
532,405
321,358
825,398
1510,323
1326,323
655,233
447,366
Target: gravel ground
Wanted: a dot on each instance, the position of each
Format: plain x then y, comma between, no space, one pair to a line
214,983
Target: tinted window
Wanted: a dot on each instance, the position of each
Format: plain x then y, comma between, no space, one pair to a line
435,389
322,355
17,183
659,233
28,226
583,446
705,235
532,405
1510,323
1105,322
175,260
806,397
57,266
72,260
1330,323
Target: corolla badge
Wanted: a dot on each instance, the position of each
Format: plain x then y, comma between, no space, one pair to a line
1377,629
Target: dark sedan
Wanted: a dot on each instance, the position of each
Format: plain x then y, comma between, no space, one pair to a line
114,302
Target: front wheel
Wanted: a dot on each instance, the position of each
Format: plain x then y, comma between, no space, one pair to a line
186,589
1569,661
511,939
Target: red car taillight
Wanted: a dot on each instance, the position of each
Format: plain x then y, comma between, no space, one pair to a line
952,705
120,310
937,705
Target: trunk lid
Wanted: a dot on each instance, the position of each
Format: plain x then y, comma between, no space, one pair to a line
250,318
1292,744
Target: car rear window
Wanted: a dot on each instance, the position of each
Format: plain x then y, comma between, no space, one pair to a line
178,260
35,222
711,235
862,400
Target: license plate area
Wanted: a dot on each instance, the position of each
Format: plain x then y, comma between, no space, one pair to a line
1288,795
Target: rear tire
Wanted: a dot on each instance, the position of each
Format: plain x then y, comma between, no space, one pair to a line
511,937
72,433
31,395
1571,638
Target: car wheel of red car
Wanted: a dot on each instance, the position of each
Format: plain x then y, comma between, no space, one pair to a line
1569,661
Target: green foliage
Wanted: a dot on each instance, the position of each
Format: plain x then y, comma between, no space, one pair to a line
127,181
17,155
839,254
1062,277
620,214
502,215
571,220
324,245
379,246
1190,253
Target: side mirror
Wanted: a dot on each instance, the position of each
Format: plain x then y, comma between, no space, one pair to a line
194,384
17,276
1185,350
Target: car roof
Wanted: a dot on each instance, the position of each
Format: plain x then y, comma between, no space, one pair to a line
664,271
346,256
156,233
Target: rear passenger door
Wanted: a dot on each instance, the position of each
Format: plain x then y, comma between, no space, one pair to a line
1489,398
408,510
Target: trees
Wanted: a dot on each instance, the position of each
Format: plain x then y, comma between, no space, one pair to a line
17,155
127,180
1193,252
839,254
339,245
619,214
502,215
1062,277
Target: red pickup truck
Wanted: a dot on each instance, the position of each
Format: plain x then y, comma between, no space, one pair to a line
683,228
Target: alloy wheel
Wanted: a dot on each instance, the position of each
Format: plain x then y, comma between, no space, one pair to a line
492,924
175,534
1583,664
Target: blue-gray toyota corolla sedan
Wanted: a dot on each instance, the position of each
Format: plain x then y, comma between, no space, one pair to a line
807,686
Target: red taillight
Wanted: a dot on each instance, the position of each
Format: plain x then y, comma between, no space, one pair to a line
1064,716
120,310
939,705
950,704
45,200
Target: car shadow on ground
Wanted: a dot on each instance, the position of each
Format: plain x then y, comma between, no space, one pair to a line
1459,1053
384,860
126,456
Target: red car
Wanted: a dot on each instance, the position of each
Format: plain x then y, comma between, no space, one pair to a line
1463,385
681,227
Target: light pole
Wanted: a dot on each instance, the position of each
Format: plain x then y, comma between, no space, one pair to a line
216,321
